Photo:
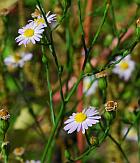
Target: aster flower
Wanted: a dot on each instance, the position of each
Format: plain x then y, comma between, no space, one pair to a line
29,33
89,85
124,68
17,59
82,120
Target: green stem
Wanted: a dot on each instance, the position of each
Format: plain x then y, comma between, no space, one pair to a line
138,136
101,25
29,107
91,148
135,121
45,61
87,51
113,19
52,133
119,147
5,159
50,96
87,138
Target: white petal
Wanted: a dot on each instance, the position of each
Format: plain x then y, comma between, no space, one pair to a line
85,125
74,127
83,129
79,127
69,125
27,57
93,121
69,120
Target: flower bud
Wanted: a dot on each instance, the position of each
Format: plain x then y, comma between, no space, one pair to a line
67,154
138,28
4,124
102,83
93,140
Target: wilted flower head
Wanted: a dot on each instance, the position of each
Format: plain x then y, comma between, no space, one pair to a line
138,22
92,140
124,68
18,59
82,120
101,74
4,114
36,13
39,20
111,105
30,33
19,151
89,85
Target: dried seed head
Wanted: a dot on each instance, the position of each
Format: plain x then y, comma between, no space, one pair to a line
111,105
101,74
19,151
4,114
36,13
92,140
138,22
4,11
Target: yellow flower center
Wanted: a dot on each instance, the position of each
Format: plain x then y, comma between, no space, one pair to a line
29,32
17,57
80,117
124,65
39,21
87,85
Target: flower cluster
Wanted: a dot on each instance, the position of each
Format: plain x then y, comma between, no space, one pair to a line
32,32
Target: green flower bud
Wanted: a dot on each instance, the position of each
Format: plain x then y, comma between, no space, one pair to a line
108,40
4,124
138,28
102,83
88,68
44,59
67,154
110,116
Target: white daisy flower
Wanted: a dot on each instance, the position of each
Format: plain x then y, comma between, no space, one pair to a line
17,59
89,85
30,33
124,68
82,120
51,19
